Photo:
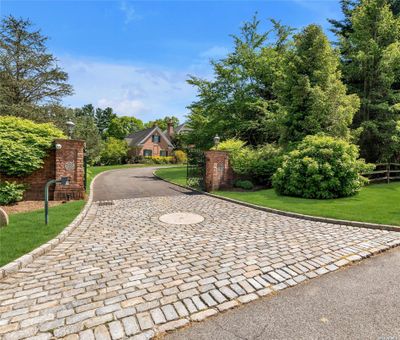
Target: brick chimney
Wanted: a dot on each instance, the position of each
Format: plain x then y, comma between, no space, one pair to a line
170,129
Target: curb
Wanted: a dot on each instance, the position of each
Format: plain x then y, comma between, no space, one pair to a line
386,227
28,258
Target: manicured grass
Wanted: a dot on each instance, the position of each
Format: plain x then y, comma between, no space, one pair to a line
175,175
27,231
377,203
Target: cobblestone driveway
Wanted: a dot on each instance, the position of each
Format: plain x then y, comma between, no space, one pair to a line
123,273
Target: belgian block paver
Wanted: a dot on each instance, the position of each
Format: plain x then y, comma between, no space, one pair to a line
125,274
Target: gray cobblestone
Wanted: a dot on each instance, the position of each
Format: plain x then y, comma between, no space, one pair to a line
131,326
121,263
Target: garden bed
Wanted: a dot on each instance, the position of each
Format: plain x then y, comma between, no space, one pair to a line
26,206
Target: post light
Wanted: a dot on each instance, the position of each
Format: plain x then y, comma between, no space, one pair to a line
216,140
62,181
70,128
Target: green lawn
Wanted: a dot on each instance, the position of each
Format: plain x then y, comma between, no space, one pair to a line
175,175
377,203
27,231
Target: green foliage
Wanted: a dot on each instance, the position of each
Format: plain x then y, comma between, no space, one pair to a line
159,160
371,59
11,192
86,129
233,145
321,167
23,144
257,163
244,184
311,91
162,123
103,118
114,151
180,157
29,75
120,127
241,102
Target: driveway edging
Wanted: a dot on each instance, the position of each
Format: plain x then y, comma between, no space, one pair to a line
28,258
387,227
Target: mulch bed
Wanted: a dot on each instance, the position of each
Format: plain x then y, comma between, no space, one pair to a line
26,206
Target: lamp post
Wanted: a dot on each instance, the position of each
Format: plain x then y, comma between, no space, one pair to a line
70,128
62,181
216,140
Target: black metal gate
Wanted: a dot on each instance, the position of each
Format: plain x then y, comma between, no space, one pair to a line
196,168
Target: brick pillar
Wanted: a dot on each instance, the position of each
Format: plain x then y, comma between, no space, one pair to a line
219,173
69,163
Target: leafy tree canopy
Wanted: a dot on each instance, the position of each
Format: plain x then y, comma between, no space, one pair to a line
371,68
162,123
120,127
240,102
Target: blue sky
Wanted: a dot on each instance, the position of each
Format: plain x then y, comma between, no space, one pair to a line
135,56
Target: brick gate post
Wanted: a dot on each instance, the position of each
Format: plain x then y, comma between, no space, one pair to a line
219,173
69,162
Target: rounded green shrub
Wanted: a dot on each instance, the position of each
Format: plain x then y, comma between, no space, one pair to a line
244,184
24,144
11,192
321,167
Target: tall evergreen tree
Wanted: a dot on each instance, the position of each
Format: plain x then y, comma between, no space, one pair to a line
371,68
29,75
240,102
311,91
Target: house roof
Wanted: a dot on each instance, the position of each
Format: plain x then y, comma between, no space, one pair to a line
180,128
139,137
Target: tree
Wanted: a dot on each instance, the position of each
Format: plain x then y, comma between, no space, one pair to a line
86,129
162,123
120,127
311,91
241,102
371,68
342,28
87,110
29,75
103,118
114,152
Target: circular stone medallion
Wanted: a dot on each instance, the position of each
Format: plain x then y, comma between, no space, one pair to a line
181,218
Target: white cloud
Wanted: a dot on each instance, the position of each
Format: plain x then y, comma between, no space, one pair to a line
144,91
215,52
129,11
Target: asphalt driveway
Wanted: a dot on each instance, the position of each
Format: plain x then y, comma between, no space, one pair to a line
132,183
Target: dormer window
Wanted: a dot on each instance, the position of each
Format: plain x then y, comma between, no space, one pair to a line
155,138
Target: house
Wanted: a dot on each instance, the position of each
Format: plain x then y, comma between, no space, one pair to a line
149,142
153,141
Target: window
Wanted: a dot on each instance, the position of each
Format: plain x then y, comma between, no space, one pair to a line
155,139
147,153
163,153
